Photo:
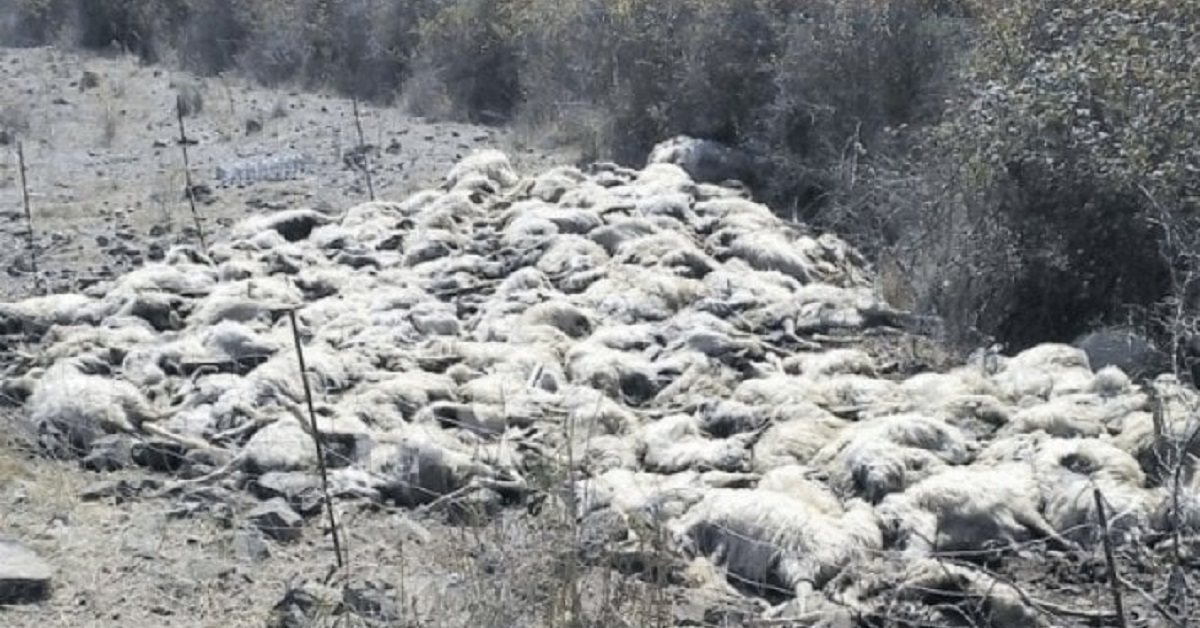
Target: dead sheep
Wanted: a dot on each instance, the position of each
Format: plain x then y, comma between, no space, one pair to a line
575,322
676,443
112,343
705,160
292,224
387,212
489,421
831,362
186,279
415,466
940,390
453,212
566,220
797,433
329,373
425,245
808,260
1069,470
568,255
675,206
389,402
235,342
957,591
631,294
258,300
1075,415
689,377
69,409
486,166
637,337
967,509
160,309
639,494
1044,371
735,213
35,315
550,186
617,233
591,413
877,457
777,542
611,371
667,249
657,179
796,481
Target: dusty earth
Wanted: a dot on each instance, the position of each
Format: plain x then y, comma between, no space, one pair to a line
105,171
132,548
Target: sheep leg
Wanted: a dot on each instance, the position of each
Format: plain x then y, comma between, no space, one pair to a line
1036,522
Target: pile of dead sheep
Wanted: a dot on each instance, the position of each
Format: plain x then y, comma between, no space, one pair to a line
684,356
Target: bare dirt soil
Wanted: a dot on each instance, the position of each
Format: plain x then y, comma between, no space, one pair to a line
105,171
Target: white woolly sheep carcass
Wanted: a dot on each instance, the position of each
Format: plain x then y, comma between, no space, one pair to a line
613,235
69,410
1044,371
968,508
778,542
876,457
35,315
676,443
260,299
487,166
705,160
415,466
631,294
797,433
293,224
1082,414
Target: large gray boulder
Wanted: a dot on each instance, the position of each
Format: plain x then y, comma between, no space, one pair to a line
706,161
1134,354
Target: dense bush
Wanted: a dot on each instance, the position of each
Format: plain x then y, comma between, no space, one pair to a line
1077,133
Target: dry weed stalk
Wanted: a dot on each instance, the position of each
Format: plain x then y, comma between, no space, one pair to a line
316,436
187,171
30,237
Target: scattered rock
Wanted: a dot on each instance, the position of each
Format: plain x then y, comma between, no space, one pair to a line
250,545
276,519
371,600
303,603
119,490
24,577
302,491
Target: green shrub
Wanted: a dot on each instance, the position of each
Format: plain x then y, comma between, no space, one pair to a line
1079,128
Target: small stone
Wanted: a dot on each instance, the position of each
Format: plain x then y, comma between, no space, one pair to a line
24,576
372,600
277,520
250,545
118,490
302,604
301,490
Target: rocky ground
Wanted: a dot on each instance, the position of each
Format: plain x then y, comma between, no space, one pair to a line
547,397
105,171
